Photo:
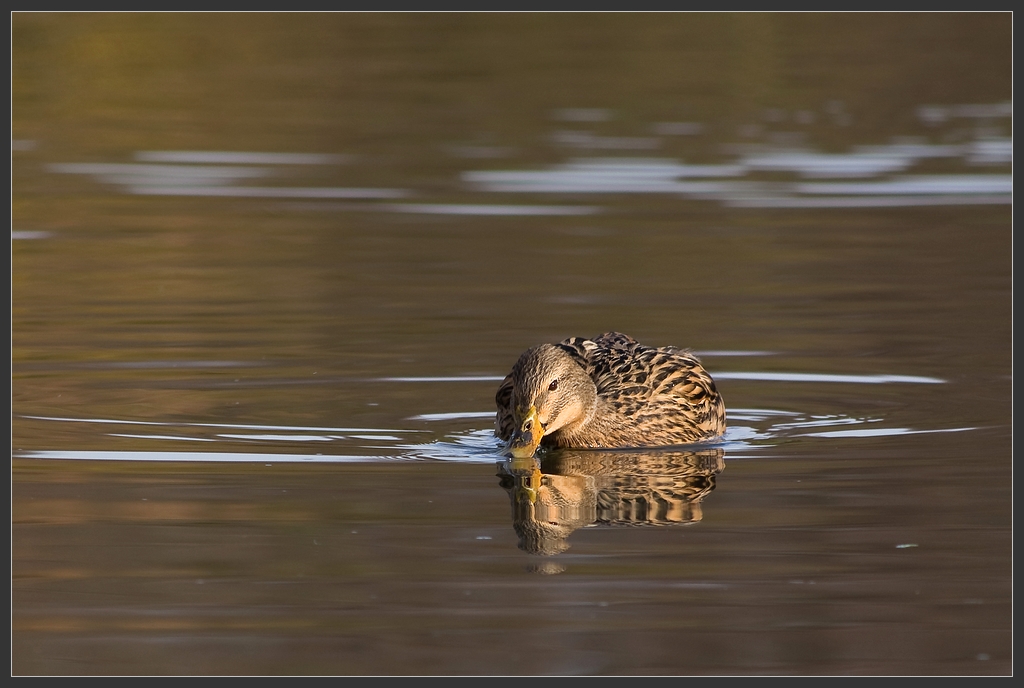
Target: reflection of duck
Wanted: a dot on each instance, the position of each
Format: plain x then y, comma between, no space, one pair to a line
610,391
573,489
650,488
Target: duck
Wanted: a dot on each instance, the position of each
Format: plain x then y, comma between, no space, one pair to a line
606,392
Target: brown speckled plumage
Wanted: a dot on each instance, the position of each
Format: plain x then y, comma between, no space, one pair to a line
609,391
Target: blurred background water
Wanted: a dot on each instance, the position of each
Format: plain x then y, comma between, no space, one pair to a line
268,269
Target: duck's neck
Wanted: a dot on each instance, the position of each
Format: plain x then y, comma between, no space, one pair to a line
595,428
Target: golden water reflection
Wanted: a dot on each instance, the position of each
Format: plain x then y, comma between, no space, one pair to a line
568,490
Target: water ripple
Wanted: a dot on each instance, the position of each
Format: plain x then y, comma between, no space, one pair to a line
750,430
827,377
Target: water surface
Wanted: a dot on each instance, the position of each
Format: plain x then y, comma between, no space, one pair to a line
268,271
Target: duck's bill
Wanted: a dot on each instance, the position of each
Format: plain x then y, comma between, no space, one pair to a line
527,436
523,451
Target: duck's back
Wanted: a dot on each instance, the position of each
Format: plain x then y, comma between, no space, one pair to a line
663,395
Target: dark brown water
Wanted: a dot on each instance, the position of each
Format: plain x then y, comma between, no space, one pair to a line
267,271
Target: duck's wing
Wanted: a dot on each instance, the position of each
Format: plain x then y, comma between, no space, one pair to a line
617,340
652,386
612,360
592,353
678,378
503,423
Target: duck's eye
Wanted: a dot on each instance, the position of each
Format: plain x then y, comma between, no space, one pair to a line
553,386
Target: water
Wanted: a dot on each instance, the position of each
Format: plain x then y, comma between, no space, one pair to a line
268,270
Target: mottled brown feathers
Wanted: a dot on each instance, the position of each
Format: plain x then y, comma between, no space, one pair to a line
645,396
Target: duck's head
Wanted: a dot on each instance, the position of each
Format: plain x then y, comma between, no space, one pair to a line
550,391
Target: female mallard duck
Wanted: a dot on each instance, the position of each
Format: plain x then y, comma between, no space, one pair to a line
610,391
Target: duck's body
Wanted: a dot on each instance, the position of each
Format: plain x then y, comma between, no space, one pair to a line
609,391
